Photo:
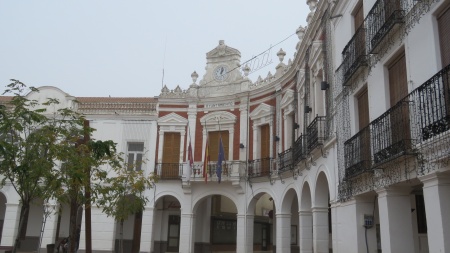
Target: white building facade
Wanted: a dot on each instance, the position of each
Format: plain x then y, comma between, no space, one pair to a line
344,148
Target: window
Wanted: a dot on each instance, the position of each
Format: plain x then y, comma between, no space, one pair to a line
444,36
135,153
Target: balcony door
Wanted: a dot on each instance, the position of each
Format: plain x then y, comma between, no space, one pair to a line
444,38
363,118
213,138
171,155
265,149
399,117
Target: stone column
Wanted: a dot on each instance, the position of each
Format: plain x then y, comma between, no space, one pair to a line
349,232
244,234
186,236
320,229
147,230
10,224
395,220
283,232
243,128
306,231
436,192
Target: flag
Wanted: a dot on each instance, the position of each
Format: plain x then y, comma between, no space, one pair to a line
205,162
220,159
191,161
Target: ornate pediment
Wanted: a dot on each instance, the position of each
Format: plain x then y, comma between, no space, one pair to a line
287,99
263,110
220,117
223,50
172,119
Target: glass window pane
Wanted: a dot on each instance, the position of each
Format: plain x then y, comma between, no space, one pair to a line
138,161
130,160
136,146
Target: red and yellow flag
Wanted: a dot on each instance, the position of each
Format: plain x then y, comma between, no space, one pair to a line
206,161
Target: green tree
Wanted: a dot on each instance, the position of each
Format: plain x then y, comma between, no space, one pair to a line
84,165
26,150
123,195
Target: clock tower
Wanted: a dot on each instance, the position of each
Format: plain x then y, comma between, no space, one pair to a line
222,66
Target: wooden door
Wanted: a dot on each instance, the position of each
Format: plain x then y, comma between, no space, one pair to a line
171,155
214,138
444,38
363,116
398,90
265,149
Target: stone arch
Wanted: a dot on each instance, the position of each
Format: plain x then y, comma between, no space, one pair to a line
256,196
161,195
305,199
321,192
205,194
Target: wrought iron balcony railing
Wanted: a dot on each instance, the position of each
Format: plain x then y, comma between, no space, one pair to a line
382,18
354,54
433,106
261,167
316,133
285,160
299,149
391,133
357,152
167,171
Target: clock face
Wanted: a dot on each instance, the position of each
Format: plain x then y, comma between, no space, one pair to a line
221,73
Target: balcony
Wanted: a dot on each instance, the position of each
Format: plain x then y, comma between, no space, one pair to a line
391,133
357,154
169,171
261,167
285,161
423,116
316,133
354,54
382,19
433,107
299,149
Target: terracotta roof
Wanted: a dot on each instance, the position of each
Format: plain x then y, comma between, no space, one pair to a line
117,105
5,98
116,99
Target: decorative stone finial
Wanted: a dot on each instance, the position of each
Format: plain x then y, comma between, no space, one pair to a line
194,76
312,4
300,32
281,55
246,70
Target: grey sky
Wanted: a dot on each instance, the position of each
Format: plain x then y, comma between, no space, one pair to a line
116,47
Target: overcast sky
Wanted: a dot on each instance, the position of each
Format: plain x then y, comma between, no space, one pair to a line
119,47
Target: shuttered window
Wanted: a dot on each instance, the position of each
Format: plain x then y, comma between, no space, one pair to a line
358,16
444,36
363,109
398,86
171,150
171,156
213,138
398,89
265,141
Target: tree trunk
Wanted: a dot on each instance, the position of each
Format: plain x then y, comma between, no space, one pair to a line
23,221
137,232
58,226
121,237
73,224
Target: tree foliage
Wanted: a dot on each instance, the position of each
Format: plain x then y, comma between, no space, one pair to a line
27,149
